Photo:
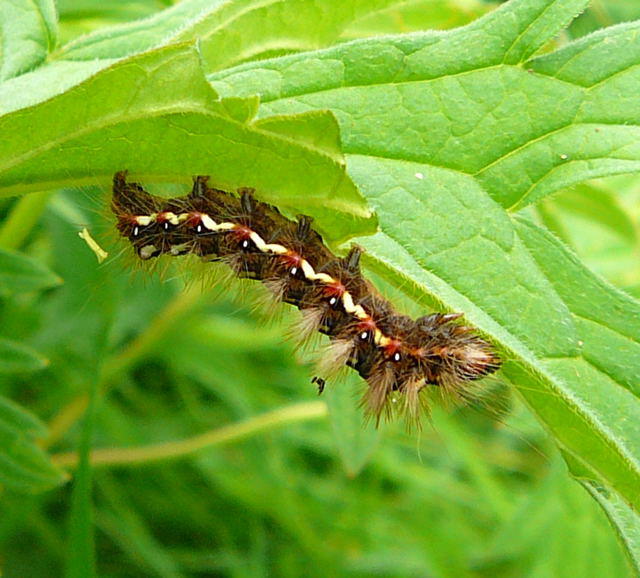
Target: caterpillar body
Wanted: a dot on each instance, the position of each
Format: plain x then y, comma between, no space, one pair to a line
397,356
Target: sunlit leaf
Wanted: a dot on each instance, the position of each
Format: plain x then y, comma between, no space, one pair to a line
461,130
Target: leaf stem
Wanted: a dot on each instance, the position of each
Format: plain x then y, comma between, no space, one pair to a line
183,448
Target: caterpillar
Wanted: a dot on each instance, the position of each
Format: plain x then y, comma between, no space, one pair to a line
397,356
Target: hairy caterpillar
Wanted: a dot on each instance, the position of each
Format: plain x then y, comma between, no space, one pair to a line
396,355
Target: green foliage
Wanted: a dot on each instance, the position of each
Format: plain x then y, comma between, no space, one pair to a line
20,274
472,145
24,466
165,99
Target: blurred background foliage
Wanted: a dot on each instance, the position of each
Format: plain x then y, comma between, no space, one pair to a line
292,492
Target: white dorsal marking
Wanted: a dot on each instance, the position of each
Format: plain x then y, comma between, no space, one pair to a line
355,309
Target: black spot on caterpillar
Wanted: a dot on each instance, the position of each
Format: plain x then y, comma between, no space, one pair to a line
396,355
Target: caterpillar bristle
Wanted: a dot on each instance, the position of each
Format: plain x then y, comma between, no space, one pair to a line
335,357
306,326
377,401
397,356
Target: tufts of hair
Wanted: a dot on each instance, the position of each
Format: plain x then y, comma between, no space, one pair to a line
397,356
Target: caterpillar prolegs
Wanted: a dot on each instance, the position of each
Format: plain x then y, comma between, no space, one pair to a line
396,355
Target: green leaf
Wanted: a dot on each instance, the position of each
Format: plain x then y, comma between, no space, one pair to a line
317,129
17,418
45,82
81,561
230,32
24,467
90,13
601,206
27,34
131,533
550,314
21,219
162,122
134,37
20,274
603,13
354,440
227,31
416,15
597,220
448,135
18,358
624,518
448,100
601,139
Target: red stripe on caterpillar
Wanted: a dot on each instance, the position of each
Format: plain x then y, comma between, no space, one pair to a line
396,355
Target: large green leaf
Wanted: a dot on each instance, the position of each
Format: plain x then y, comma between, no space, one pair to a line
227,31
448,135
467,100
156,116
